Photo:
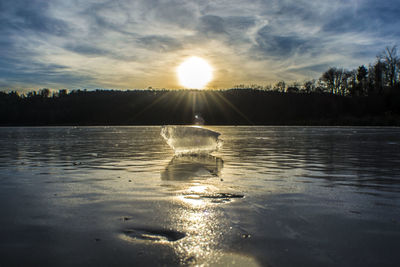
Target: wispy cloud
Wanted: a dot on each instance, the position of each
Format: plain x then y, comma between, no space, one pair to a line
135,44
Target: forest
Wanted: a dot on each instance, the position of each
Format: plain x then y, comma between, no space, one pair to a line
368,95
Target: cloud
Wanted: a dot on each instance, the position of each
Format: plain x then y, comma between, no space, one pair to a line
22,74
134,43
239,23
281,46
31,16
232,29
376,17
159,43
315,69
173,12
87,50
212,24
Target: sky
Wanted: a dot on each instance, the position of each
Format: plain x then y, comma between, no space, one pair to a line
133,44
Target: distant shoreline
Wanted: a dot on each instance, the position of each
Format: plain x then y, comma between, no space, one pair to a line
350,122
230,107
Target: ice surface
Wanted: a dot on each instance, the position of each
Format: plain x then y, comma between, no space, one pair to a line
191,139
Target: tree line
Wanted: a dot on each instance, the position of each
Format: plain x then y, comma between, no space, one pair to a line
365,96
380,77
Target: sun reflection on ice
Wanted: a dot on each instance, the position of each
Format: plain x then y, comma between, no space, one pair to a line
199,193
192,198
201,223
208,230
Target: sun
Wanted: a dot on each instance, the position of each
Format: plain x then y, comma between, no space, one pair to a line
194,73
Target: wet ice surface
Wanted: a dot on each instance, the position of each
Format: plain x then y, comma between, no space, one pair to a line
271,196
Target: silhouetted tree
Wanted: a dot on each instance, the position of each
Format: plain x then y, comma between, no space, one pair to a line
329,78
309,86
379,69
334,79
31,94
62,92
362,74
390,58
268,87
352,83
45,92
292,89
344,84
280,86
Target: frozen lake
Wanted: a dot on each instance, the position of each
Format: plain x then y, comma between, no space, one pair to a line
272,196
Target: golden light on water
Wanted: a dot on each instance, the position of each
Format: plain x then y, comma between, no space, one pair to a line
194,73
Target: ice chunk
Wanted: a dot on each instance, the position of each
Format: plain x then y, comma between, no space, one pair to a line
191,139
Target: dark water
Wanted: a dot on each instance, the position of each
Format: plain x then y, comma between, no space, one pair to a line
272,196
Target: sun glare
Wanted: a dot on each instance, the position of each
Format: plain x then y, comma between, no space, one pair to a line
194,73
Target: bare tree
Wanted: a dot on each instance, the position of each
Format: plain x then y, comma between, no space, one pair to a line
344,83
334,79
398,72
352,83
391,59
329,78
